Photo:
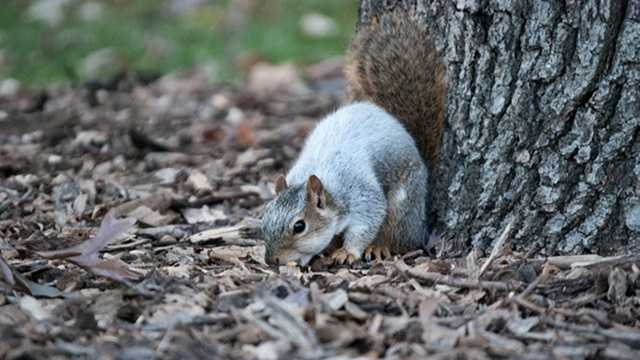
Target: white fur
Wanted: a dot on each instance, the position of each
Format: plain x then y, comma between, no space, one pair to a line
399,197
347,139
358,152
355,152
319,241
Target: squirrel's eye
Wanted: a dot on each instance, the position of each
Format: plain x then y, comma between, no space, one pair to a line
299,227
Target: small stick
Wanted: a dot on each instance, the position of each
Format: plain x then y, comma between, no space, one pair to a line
528,304
498,248
544,275
522,301
131,245
241,234
457,282
608,261
211,199
568,261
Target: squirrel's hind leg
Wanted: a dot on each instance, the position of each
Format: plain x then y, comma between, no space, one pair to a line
412,227
405,226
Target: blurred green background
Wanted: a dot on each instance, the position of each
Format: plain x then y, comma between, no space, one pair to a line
51,41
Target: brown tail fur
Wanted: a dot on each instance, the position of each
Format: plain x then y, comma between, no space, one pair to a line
393,63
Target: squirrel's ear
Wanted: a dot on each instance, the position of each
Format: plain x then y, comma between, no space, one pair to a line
315,192
281,184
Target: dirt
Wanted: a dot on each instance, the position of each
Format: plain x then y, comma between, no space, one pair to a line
189,161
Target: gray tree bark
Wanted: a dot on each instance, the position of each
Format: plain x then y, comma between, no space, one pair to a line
543,122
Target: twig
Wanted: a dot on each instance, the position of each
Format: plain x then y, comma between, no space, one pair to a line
571,261
211,199
412,254
566,262
608,261
583,300
241,234
528,304
131,245
544,275
522,301
199,321
498,248
176,231
458,282
618,332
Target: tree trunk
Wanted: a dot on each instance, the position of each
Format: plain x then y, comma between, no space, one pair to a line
543,122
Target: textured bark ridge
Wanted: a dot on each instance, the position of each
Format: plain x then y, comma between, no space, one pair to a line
543,122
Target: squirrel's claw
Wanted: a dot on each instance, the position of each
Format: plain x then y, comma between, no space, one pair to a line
342,257
377,252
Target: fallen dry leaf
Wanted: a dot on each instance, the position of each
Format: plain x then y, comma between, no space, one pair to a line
86,253
245,134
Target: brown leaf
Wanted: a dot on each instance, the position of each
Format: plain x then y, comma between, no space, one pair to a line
86,253
245,134
110,229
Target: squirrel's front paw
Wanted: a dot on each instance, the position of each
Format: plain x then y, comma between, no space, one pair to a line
341,257
377,252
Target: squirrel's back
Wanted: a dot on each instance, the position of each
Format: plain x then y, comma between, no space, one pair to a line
340,142
393,63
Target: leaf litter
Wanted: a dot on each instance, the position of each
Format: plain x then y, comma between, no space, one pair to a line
86,253
192,164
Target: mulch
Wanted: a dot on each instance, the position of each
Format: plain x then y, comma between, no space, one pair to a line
191,164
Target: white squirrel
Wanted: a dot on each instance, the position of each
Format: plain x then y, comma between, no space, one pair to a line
361,173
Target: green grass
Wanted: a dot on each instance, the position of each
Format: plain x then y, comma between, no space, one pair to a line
144,36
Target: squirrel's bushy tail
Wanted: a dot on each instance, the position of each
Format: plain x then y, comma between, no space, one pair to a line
393,63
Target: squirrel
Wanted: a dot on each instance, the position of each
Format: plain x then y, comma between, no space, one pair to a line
363,171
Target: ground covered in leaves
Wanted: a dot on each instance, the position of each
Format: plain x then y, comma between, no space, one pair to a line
127,217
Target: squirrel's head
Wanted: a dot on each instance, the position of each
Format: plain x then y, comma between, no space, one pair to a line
299,223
